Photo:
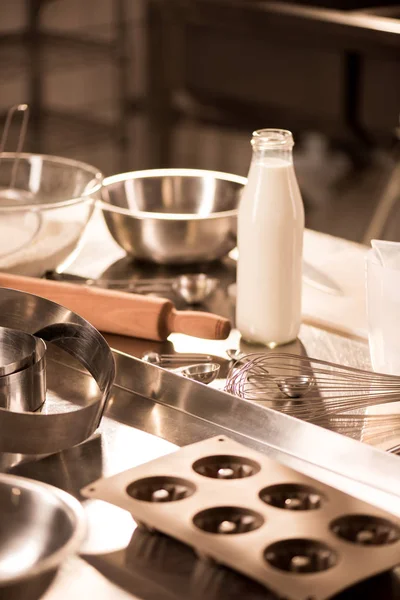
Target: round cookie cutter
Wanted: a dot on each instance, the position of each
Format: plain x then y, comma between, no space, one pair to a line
22,370
17,350
37,432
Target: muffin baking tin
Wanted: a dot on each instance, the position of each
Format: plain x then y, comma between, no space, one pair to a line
300,538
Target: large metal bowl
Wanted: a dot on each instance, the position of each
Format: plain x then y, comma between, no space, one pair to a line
45,212
173,216
40,526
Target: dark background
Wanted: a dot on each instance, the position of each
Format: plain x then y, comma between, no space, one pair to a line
133,84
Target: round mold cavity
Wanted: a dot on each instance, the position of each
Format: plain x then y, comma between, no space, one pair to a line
228,520
366,530
224,466
300,556
292,496
161,489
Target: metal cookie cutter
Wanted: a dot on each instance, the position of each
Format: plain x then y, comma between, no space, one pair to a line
37,432
22,370
17,350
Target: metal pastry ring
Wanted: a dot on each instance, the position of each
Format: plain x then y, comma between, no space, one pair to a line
36,432
22,370
17,350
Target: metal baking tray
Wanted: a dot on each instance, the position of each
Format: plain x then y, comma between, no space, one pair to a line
347,464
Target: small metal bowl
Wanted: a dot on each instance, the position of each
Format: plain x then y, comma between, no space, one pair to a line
44,214
40,526
173,216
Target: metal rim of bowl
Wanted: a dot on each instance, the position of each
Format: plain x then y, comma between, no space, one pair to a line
109,181
72,506
97,176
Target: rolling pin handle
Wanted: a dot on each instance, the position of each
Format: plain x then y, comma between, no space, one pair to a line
199,324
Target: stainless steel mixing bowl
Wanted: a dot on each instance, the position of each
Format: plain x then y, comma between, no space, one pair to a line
44,214
40,526
173,216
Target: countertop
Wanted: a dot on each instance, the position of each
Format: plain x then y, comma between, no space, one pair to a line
135,430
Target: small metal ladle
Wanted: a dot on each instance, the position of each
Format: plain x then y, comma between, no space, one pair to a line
295,386
234,354
182,358
194,289
202,372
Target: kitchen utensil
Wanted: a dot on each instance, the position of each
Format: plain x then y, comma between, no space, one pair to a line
75,420
173,216
17,350
359,468
325,388
293,534
193,288
42,227
291,387
41,526
235,354
295,387
202,372
126,314
23,380
45,205
163,360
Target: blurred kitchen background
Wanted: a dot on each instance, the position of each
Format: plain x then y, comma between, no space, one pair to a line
136,84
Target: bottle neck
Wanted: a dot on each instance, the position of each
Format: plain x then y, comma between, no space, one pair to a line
272,155
273,146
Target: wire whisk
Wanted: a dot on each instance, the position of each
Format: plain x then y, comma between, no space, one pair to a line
308,388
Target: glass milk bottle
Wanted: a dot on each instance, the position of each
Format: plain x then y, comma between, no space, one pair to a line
270,243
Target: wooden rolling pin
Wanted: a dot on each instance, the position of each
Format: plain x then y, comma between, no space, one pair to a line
122,313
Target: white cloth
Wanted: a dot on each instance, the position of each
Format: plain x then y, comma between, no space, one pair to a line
344,263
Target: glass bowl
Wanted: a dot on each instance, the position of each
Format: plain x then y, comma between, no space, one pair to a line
44,215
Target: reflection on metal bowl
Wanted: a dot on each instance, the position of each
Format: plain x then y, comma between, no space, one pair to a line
173,216
40,526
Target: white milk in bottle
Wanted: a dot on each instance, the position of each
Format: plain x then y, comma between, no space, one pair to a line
270,243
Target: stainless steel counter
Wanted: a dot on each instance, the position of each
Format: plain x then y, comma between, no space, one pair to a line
137,429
